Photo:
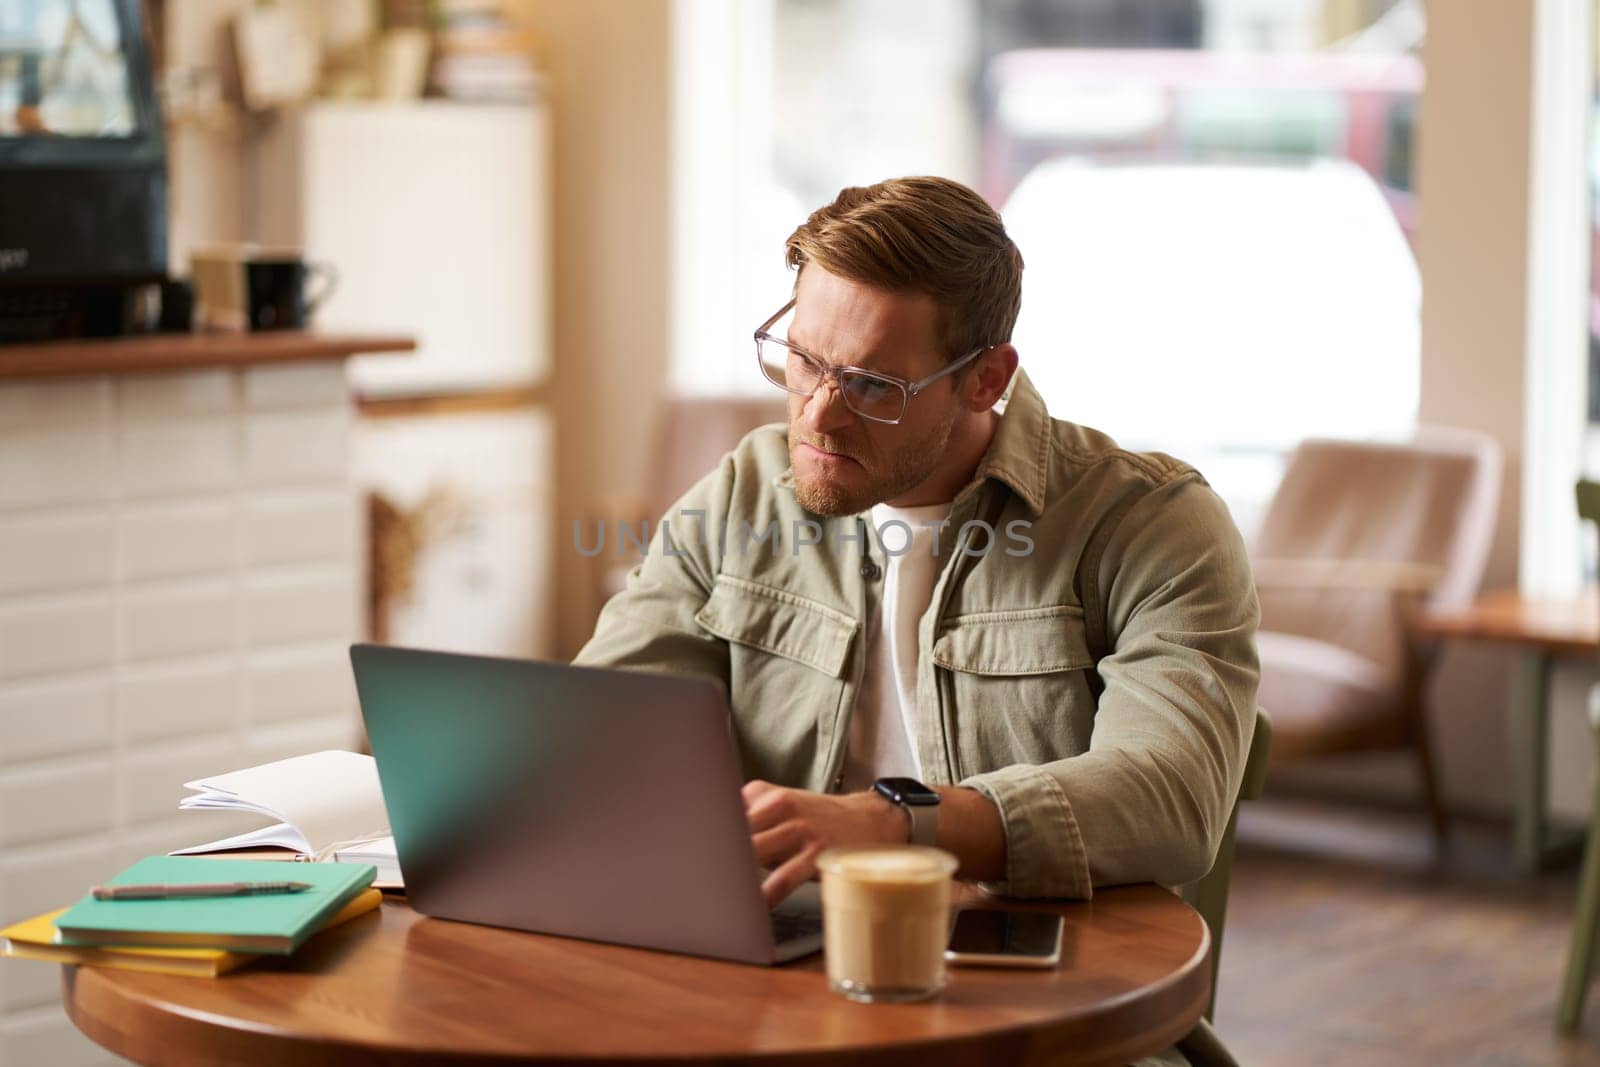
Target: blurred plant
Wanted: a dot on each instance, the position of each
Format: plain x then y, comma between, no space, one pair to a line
397,539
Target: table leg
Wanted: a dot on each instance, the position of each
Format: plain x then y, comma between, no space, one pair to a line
1530,756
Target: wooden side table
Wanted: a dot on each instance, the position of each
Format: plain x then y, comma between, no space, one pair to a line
395,987
1542,630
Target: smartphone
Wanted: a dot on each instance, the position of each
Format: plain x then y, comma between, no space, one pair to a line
990,937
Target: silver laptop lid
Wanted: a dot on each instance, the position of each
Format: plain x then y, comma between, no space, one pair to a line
568,800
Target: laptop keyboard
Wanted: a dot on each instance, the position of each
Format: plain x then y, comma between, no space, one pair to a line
794,925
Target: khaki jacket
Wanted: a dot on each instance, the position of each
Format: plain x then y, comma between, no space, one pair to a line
1093,672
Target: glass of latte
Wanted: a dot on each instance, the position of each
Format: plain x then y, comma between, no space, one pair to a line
885,920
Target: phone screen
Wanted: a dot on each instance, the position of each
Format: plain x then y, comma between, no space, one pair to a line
1025,934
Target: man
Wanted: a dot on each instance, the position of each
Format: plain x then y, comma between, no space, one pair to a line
926,577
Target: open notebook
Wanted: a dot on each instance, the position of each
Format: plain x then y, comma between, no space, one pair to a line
329,806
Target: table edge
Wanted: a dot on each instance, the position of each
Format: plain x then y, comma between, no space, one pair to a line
1189,983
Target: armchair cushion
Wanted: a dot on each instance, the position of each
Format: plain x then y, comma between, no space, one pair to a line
1320,693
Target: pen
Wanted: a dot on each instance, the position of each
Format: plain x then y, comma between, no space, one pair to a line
198,889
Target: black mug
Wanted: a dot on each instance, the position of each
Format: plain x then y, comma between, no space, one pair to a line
277,292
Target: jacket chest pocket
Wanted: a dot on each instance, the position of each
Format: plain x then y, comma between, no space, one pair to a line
787,656
1015,686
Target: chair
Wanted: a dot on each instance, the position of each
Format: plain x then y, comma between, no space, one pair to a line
1586,919
1358,537
1209,896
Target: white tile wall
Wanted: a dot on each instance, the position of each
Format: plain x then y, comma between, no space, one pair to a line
177,456
55,716
54,463
313,681
36,878
54,634
290,386
290,739
298,527
47,875
167,621
179,699
57,800
61,550
164,396
293,607
169,540
28,987
178,584
52,403
153,775
44,1036
296,447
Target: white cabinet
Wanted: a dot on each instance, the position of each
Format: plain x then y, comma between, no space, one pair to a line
435,215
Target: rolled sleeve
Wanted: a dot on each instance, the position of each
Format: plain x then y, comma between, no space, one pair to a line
1045,856
1149,800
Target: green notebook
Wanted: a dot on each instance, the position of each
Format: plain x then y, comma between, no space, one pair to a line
276,923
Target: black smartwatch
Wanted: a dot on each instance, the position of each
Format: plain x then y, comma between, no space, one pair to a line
919,802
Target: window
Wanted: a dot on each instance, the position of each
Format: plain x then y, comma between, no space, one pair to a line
1561,438
1213,198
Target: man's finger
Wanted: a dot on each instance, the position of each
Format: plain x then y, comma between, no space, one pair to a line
776,845
787,878
768,809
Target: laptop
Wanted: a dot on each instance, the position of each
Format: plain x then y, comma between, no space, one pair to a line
589,803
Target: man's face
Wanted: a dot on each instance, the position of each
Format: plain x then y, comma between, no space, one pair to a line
843,463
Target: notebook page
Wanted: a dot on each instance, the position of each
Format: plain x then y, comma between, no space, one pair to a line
225,802
278,835
329,797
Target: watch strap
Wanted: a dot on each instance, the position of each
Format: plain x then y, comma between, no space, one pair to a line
924,822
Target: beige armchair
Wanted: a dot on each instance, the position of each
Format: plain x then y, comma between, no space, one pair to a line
1358,536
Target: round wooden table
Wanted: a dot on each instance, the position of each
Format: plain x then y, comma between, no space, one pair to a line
396,987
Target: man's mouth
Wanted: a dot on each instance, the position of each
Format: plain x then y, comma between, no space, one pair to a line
828,453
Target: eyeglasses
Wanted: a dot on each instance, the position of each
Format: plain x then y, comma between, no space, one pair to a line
879,397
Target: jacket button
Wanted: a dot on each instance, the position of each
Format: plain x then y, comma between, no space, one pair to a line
870,571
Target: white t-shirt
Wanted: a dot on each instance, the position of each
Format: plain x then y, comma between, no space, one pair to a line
883,727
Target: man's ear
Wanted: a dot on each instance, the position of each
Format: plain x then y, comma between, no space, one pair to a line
990,376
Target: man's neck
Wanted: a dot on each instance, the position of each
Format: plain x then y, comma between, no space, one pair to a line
969,441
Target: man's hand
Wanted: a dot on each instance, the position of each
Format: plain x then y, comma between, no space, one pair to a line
791,826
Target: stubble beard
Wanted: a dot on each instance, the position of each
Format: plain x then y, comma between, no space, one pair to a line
908,467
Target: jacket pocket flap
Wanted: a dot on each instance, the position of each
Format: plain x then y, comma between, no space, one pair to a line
779,622
1015,643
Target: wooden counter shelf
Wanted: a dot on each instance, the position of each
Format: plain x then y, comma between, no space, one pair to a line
186,351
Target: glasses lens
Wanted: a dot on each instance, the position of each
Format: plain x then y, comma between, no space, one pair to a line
873,397
786,368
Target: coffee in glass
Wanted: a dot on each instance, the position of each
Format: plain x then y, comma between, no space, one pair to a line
885,920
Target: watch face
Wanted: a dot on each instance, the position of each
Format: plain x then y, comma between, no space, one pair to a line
906,791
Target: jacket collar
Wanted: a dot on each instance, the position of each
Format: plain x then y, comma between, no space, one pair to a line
1019,452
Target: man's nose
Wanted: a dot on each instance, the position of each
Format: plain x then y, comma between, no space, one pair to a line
825,409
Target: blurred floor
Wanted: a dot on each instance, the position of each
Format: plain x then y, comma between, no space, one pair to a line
1347,943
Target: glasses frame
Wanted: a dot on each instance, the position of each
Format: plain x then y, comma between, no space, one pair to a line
908,389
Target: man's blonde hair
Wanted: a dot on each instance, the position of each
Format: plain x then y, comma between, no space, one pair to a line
922,235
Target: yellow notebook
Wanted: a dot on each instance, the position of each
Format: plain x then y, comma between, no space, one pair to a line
35,939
